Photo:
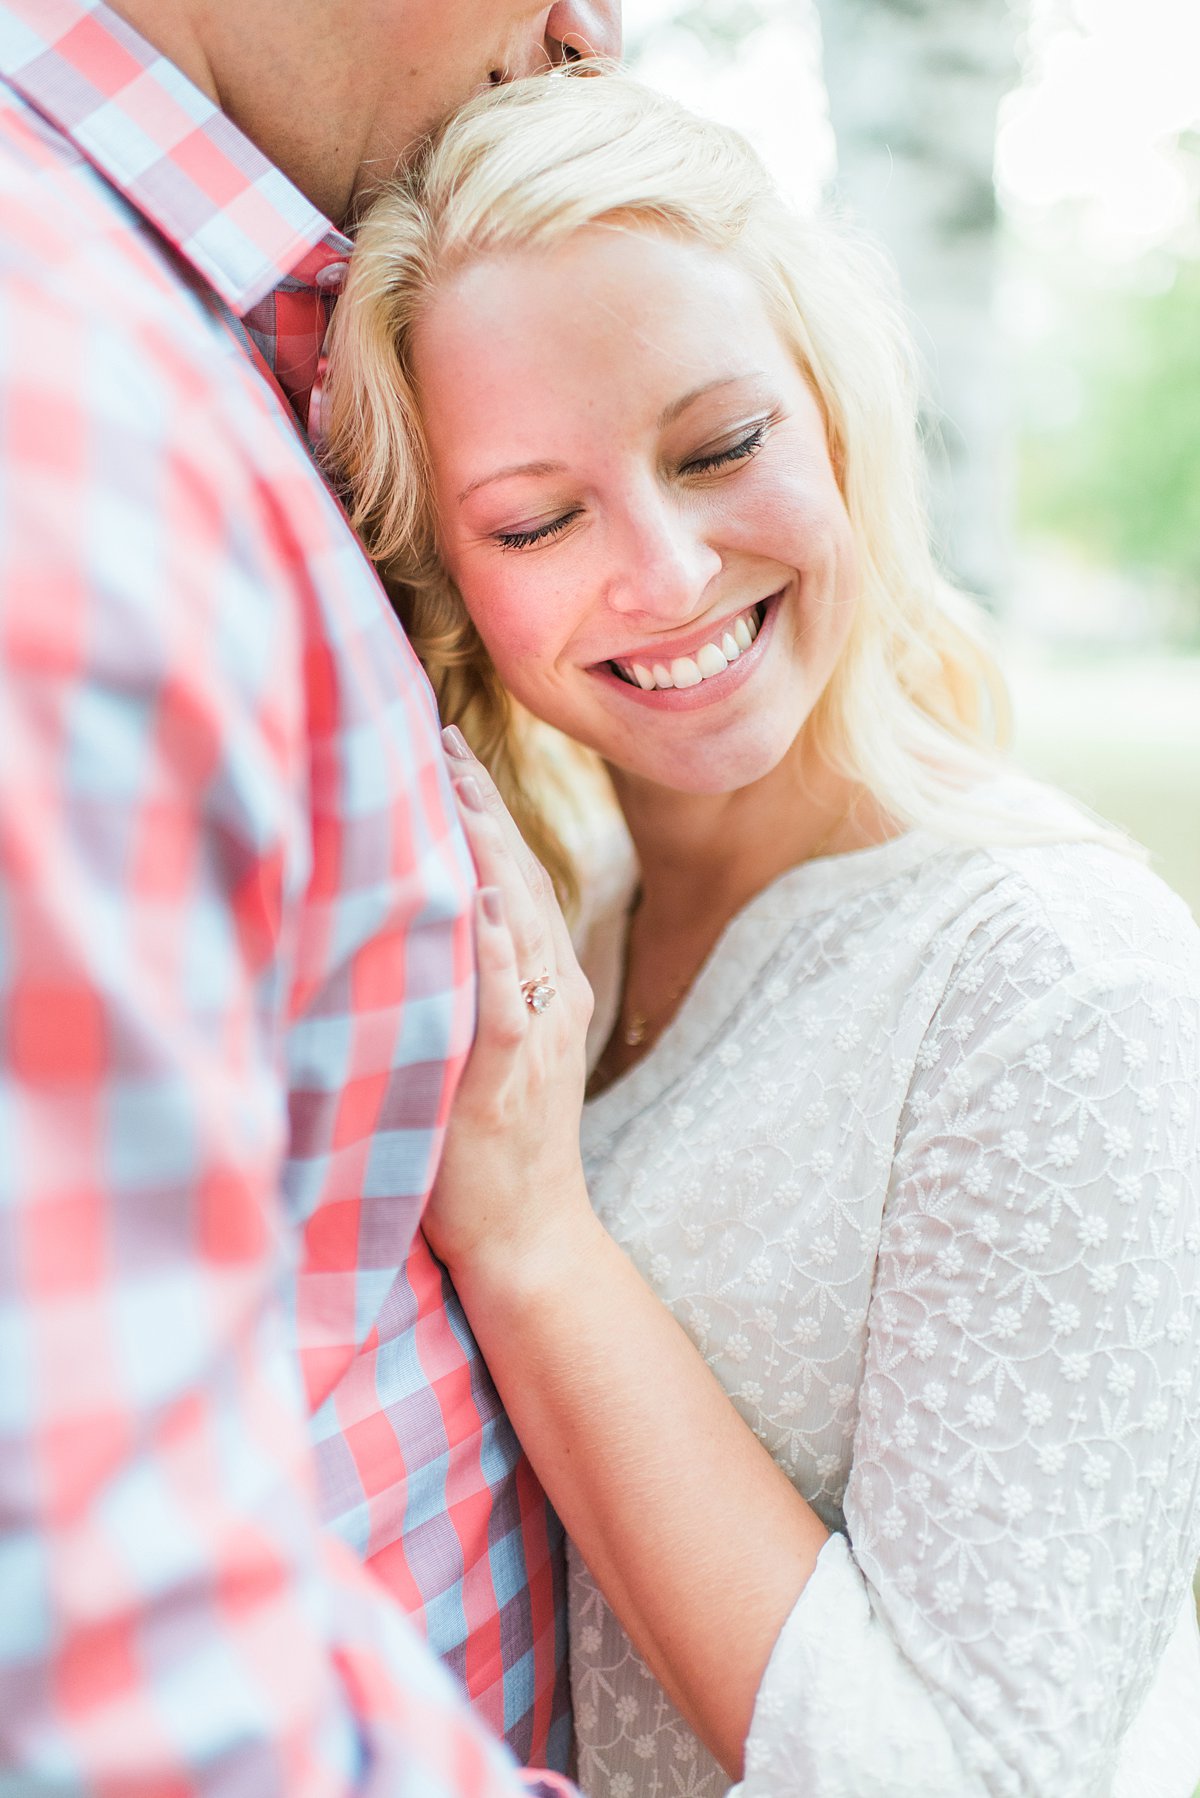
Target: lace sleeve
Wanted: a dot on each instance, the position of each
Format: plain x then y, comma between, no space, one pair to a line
1021,1510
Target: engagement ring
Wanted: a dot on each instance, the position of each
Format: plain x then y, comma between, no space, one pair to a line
538,993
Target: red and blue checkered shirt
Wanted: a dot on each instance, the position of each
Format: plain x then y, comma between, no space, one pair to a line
235,992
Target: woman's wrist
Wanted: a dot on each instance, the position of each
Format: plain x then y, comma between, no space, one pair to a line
511,1272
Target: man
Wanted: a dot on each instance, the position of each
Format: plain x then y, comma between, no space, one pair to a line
235,968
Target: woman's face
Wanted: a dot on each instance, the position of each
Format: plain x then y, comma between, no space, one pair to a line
636,502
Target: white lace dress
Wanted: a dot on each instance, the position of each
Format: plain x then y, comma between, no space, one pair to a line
917,1166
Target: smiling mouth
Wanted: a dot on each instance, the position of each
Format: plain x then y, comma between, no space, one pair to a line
708,661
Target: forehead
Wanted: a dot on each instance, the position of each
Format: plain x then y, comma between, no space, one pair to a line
609,311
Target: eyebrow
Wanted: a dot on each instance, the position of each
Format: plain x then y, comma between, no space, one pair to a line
678,407
667,416
506,474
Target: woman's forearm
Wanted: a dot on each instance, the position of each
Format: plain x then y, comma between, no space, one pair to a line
699,1542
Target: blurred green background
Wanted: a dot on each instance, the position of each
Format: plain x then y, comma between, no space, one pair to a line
1123,733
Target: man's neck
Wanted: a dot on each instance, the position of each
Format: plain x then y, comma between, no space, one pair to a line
260,64
172,30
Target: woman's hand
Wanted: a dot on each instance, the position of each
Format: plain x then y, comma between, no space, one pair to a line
510,1179
610,1399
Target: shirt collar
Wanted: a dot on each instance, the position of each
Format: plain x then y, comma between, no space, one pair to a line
165,146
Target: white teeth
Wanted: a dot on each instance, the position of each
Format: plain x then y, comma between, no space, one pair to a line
688,671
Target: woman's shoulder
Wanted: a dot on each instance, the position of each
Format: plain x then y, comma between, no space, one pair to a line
1025,861
1055,939
1100,907
1034,914
1029,859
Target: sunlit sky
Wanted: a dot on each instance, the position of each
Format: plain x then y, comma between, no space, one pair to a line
1107,87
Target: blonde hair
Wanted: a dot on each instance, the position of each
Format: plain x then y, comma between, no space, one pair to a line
916,709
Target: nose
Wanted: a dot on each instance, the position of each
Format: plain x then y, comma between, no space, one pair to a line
665,567
583,28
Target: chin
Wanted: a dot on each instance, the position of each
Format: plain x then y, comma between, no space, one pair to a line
710,771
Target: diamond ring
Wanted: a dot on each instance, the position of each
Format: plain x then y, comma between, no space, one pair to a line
538,993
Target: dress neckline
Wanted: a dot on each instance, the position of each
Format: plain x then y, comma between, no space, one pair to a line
745,945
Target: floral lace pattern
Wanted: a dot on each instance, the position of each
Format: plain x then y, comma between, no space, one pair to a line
917,1166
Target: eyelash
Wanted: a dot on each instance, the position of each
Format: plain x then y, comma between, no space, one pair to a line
737,452
542,534
740,451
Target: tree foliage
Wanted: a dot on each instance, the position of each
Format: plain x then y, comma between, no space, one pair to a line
1119,477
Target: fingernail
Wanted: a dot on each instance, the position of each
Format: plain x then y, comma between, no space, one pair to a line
454,743
492,901
471,794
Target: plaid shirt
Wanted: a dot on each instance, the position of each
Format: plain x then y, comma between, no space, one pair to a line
235,992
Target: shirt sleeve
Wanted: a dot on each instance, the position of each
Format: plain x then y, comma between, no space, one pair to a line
174,1620
1020,1513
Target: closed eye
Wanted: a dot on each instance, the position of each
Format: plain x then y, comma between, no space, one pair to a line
736,452
540,533
740,452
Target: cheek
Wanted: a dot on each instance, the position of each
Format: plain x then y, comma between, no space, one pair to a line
792,517
506,612
817,526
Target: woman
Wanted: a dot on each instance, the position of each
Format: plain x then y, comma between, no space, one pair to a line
892,1125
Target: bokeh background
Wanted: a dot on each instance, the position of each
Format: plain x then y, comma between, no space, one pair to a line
1034,168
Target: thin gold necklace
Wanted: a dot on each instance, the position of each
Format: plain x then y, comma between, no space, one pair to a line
634,1034
640,1023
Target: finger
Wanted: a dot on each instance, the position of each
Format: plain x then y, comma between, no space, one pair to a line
456,745
496,867
463,763
503,1014
556,934
562,948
